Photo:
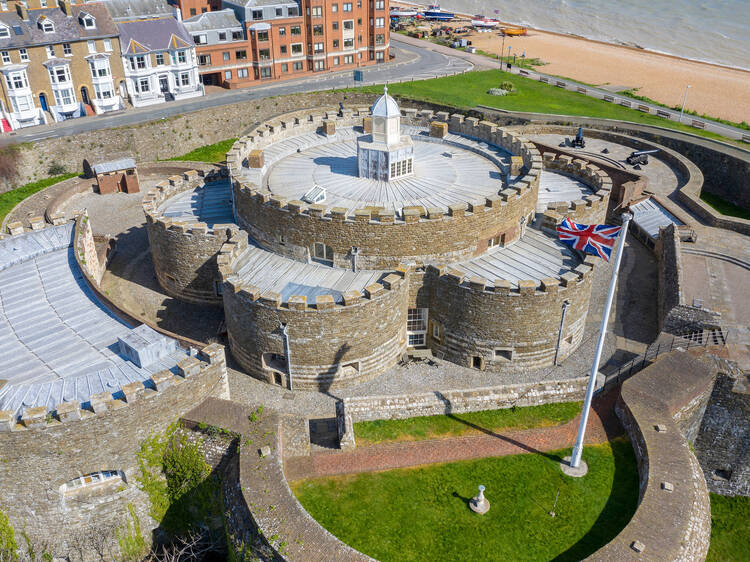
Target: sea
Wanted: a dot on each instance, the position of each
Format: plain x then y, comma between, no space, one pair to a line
716,31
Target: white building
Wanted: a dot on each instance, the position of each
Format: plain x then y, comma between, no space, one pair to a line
159,59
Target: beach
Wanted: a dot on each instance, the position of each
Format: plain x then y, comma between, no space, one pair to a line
716,91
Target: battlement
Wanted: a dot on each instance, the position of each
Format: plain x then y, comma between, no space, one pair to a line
211,359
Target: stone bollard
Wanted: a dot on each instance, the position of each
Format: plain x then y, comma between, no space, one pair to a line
479,503
438,129
255,158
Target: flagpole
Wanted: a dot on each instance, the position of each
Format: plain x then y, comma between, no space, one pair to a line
578,449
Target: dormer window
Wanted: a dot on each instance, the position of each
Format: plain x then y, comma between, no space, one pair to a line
4,32
47,25
88,22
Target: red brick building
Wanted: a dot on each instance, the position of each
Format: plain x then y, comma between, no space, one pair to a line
252,41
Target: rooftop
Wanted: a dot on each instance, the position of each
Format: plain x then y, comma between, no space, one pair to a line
453,170
159,34
650,217
113,165
124,10
556,186
222,19
57,341
210,203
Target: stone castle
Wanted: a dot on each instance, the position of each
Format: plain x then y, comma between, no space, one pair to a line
343,239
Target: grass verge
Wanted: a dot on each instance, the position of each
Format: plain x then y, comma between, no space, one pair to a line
10,199
216,152
451,425
725,207
422,513
470,89
730,530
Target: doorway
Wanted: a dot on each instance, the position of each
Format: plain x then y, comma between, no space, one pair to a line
164,84
43,102
85,95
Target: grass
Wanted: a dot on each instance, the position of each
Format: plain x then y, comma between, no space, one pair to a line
216,152
422,513
10,199
725,207
730,530
470,89
426,427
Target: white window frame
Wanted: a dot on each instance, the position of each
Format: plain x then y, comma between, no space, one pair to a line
50,51
107,44
48,26
416,326
64,96
159,59
347,7
67,50
5,56
321,253
24,54
242,73
89,22
297,49
379,22
184,79
139,83
92,479
91,44
4,30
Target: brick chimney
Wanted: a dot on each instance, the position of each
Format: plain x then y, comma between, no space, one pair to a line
22,10
65,7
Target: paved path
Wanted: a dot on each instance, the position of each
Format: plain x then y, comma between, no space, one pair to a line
603,425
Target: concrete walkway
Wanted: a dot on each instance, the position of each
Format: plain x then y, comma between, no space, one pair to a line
603,425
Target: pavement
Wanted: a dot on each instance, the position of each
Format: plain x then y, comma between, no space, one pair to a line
411,62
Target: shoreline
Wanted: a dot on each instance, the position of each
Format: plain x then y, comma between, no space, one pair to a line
621,45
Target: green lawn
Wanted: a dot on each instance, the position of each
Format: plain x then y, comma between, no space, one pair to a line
422,513
425,427
470,89
216,152
730,529
10,199
725,207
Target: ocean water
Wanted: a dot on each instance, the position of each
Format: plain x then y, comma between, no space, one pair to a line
716,31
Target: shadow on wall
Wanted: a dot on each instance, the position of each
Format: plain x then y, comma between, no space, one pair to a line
637,292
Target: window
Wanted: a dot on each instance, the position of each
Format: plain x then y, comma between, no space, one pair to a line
222,35
108,44
203,10
185,79
159,59
334,8
336,61
282,49
504,353
335,43
263,36
380,56
335,26
296,30
359,21
284,67
181,57
318,29
264,54
240,55
494,241
257,14
143,85
279,12
265,72
24,54
282,31
380,39
92,479
348,59
48,26
416,326
67,50
50,51
6,56
225,55
236,36
193,12
227,75
347,6
103,91
319,65
379,22
349,25
204,60
22,103
317,11
292,12
4,31
296,48
88,22
380,4
359,3
200,39
322,253
318,48
242,73
59,74
436,331
297,66
92,46
348,43
64,96
17,80
99,68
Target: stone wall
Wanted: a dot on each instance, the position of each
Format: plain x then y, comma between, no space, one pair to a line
384,238
184,254
723,443
331,344
673,518
352,410
88,257
39,456
486,324
675,315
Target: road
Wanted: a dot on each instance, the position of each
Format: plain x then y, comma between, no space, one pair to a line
411,62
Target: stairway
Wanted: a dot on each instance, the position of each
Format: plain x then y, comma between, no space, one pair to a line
6,128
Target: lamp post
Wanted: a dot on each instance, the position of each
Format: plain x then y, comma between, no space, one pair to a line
565,305
684,99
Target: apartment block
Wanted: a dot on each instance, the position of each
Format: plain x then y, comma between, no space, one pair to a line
59,61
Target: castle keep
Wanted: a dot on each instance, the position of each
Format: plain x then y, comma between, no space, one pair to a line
342,239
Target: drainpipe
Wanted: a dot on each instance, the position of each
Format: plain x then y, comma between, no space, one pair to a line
287,352
565,305
355,252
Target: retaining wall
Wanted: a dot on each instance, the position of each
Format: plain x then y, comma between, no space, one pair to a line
658,406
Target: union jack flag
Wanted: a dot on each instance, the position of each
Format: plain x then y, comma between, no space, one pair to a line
597,239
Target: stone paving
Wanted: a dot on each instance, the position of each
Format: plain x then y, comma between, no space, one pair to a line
602,426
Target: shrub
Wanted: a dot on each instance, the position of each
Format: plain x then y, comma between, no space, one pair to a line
55,169
8,545
508,86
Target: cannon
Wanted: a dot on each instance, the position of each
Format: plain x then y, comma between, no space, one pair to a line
578,142
639,157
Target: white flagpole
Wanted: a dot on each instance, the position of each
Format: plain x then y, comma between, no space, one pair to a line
578,449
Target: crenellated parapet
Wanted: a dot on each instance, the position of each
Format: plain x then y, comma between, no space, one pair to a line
184,253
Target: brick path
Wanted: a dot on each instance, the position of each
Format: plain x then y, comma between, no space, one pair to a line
602,426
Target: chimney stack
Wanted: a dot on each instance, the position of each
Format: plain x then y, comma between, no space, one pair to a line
22,10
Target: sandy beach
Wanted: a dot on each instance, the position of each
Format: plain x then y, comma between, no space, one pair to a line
714,90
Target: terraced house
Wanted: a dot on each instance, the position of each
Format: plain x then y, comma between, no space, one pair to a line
58,62
250,41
